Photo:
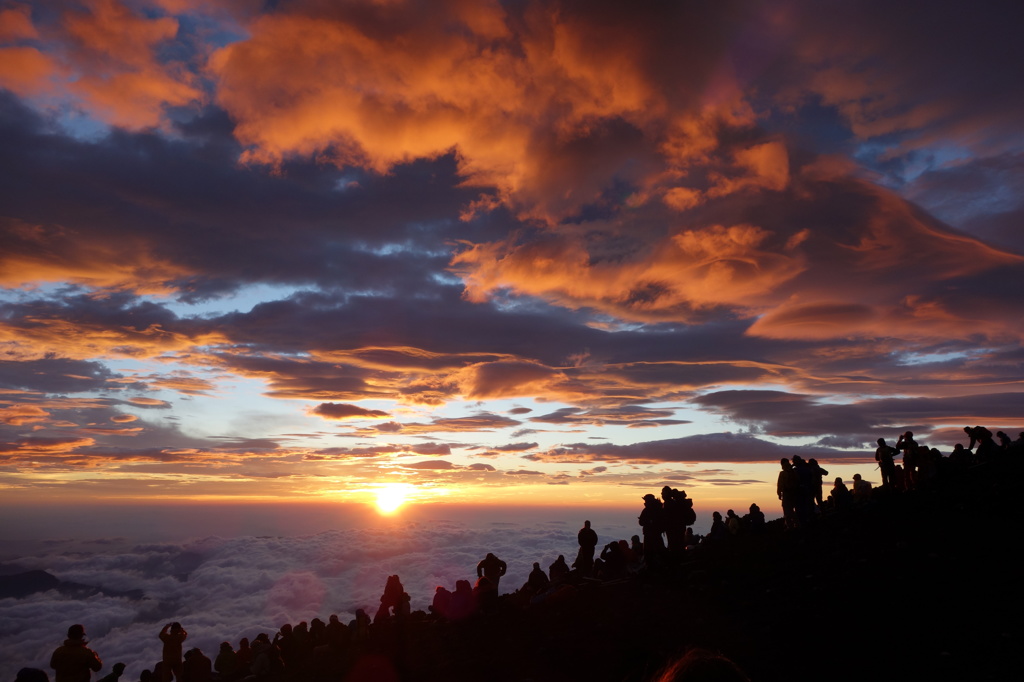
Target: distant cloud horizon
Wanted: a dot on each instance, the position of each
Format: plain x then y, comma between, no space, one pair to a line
228,587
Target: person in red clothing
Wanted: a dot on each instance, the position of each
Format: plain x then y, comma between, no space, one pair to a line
74,661
173,636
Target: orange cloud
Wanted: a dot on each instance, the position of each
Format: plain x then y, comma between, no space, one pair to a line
16,23
765,166
149,402
914,317
507,379
87,341
44,445
53,253
121,78
114,432
104,56
19,415
26,71
547,104
690,270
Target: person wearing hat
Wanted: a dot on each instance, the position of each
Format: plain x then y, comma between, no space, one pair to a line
74,661
652,522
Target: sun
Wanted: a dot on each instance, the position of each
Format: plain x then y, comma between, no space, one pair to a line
391,496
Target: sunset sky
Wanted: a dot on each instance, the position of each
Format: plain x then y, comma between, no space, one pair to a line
529,252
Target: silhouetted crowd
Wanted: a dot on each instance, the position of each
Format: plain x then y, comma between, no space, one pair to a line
318,650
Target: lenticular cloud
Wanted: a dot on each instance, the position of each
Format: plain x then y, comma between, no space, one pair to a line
229,588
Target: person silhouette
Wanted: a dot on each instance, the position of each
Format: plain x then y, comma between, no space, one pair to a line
817,481
391,600
652,521
538,580
840,497
719,531
861,489
226,662
491,568
908,446
788,488
115,673
74,661
243,656
32,675
558,570
173,636
463,601
754,520
587,539
442,599
197,666
884,456
733,522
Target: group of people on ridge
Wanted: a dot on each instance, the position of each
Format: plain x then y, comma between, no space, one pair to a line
667,536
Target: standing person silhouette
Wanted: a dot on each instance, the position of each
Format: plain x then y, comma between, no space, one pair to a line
74,661
652,521
173,636
884,456
788,488
491,568
587,538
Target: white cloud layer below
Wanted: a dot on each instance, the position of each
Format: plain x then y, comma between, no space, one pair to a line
226,588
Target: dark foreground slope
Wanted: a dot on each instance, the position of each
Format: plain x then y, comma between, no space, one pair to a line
918,586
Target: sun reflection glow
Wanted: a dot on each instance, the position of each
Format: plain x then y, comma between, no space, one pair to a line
391,497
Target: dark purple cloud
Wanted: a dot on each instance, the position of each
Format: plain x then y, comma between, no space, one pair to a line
786,414
712,447
346,411
432,464
514,447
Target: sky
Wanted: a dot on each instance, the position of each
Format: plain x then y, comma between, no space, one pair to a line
491,253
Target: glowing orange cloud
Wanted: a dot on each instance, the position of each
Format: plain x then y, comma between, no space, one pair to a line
16,23
547,107
692,269
103,55
44,445
507,379
27,71
53,253
122,81
18,415
41,337
149,402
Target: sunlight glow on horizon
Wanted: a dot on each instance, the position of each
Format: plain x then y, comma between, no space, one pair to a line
392,496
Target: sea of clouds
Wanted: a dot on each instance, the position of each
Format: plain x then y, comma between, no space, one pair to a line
225,588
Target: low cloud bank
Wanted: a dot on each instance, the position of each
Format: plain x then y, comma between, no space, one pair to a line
227,588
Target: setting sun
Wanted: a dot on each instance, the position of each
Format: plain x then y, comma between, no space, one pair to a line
391,496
